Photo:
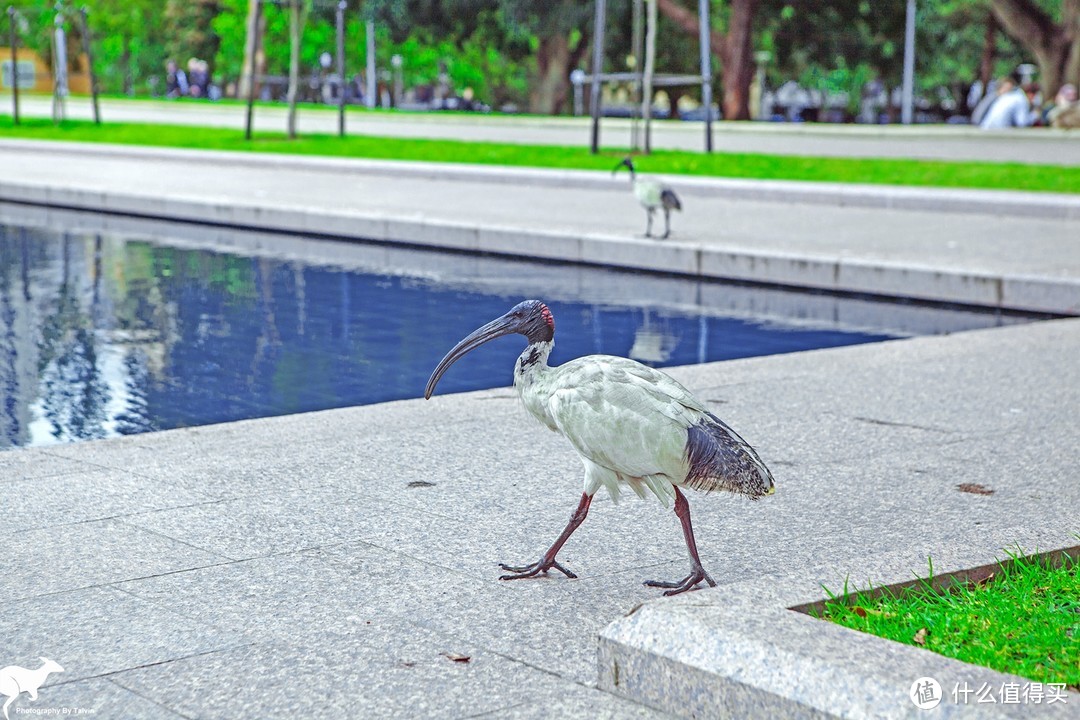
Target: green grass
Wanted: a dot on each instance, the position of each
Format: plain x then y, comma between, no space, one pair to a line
1025,620
1012,176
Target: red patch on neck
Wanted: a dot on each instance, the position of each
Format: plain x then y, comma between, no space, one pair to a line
548,317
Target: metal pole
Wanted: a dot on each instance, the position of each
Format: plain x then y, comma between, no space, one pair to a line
60,81
340,17
12,15
372,85
650,67
597,68
253,46
88,49
706,69
296,33
637,39
908,95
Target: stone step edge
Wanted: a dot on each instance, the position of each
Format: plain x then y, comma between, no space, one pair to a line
845,275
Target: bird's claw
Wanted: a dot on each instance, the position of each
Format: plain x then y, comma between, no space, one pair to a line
687,583
540,566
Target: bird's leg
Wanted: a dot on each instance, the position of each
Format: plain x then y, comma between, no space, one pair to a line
548,560
667,223
697,572
648,226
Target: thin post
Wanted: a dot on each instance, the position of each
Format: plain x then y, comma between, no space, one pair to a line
706,69
296,31
60,80
597,68
650,68
253,48
13,19
88,49
637,38
907,102
340,18
372,85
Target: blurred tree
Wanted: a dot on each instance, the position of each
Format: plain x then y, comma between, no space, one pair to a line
1050,30
734,47
129,43
190,30
479,43
559,31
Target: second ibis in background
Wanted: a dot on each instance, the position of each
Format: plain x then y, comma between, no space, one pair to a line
653,195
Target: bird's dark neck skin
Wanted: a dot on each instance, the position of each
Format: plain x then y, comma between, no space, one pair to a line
532,380
533,359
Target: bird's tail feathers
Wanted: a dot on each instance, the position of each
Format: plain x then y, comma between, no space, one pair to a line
670,200
719,459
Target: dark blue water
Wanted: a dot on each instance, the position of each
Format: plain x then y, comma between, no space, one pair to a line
116,334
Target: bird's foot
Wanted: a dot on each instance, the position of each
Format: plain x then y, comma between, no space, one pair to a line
540,566
687,583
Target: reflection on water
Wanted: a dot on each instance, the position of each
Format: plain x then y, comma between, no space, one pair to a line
118,330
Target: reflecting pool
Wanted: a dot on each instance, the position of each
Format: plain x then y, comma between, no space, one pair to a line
111,326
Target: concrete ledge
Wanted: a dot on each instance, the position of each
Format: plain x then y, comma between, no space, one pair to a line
837,274
984,202
740,650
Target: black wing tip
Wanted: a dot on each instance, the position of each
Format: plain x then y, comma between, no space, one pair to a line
719,459
670,199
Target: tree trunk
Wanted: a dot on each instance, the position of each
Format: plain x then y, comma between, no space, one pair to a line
1056,47
735,50
125,62
554,60
296,33
737,64
260,56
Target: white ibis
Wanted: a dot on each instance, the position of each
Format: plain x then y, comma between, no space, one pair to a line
630,424
652,194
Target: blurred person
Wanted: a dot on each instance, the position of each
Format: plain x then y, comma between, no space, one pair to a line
176,83
1065,112
1012,107
197,77
983,101
204,77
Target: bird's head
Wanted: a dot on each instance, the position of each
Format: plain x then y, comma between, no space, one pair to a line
530,318
627,163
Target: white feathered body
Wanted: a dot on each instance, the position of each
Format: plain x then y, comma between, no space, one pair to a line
633,425
653,194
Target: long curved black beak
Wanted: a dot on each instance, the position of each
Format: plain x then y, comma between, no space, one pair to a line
498,327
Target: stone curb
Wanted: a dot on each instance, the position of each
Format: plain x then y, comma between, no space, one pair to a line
847,275
740,651
1056,206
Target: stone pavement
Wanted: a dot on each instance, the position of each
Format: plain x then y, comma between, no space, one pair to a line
303,565
931,142
344,562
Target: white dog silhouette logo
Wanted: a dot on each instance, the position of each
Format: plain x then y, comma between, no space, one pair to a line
15,680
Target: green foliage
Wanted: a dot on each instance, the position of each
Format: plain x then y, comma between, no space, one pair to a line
493,45
1015,176
191,34
1025,621
840,80
813,41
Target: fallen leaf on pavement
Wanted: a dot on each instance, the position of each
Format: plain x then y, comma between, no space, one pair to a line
457,658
